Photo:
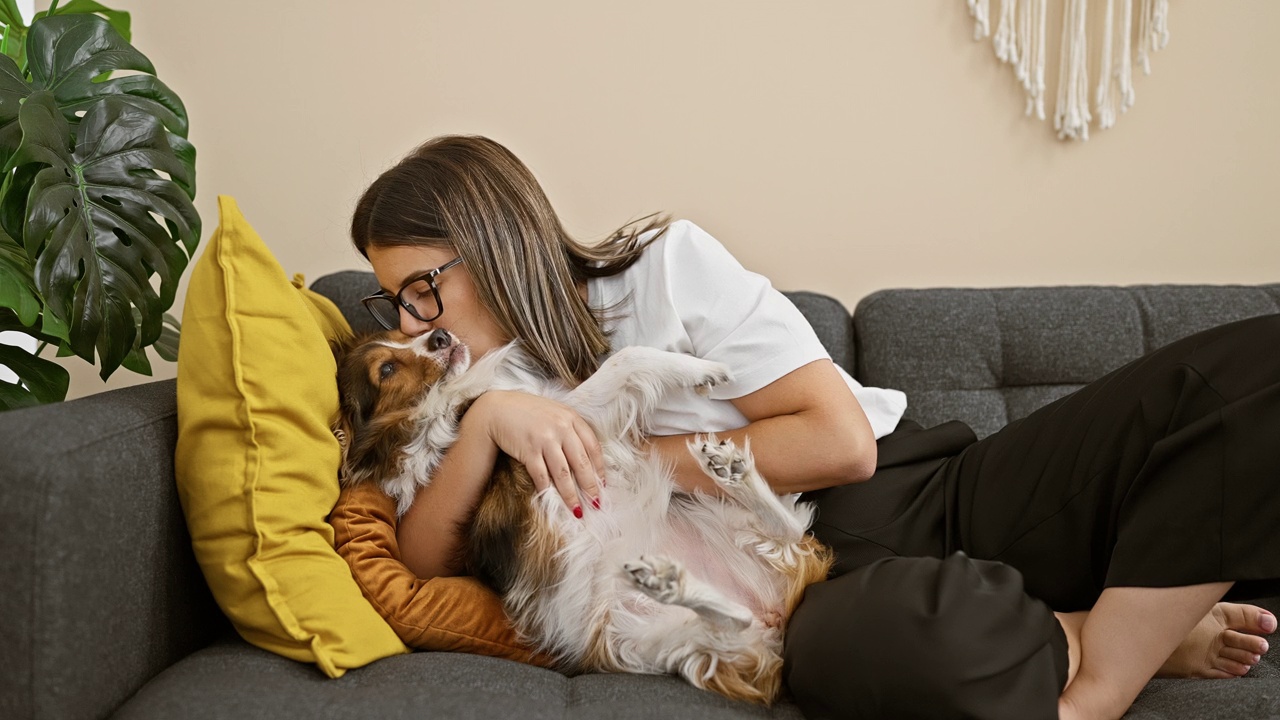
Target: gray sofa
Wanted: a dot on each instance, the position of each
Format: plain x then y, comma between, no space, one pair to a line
104,613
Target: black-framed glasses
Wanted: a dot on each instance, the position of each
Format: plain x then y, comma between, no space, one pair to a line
419,296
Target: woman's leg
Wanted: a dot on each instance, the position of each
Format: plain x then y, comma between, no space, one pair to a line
1226,643
1127,636
922,637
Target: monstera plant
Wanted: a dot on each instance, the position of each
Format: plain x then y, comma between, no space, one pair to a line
96,216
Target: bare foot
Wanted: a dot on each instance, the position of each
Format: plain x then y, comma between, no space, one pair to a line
1225,644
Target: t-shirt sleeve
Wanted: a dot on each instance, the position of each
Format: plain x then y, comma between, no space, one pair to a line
732,315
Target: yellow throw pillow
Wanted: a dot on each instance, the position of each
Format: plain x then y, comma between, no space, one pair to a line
256,461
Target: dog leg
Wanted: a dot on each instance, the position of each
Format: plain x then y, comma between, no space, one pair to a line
740,665
621,395
665,580
734,471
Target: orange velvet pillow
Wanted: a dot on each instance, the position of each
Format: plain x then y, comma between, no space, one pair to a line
456,613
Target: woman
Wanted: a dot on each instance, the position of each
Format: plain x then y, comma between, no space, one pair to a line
929,616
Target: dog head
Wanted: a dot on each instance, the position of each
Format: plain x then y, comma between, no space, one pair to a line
382,380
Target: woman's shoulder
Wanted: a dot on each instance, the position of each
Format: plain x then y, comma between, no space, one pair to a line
680,253
684,244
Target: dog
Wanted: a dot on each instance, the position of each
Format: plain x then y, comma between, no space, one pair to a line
657,581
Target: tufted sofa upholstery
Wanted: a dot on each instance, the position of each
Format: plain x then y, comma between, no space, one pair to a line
991,356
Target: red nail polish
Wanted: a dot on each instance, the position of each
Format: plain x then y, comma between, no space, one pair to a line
577,511
595,503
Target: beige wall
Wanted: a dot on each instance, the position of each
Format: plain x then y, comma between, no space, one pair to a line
833,145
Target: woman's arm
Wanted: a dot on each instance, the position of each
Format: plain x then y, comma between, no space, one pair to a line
807,432
554,444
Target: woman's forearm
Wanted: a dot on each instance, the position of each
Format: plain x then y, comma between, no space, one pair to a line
807,432
428,533
794,453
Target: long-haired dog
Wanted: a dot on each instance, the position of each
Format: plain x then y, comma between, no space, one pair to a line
657,581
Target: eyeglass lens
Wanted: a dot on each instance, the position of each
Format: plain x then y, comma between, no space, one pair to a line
418,295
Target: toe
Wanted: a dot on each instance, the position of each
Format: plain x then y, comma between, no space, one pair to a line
1244,657
1244,641
1231,667
1247,618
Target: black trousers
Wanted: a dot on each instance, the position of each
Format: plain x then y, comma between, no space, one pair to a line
953,557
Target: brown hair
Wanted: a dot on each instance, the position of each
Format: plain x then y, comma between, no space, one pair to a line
473,195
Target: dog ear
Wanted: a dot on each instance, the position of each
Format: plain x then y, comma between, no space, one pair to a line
356,398
374,450
342,431
342,345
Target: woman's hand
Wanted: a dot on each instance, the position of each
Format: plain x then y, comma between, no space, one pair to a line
552,441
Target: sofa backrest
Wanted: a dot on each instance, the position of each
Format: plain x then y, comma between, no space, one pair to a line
991,356
984,356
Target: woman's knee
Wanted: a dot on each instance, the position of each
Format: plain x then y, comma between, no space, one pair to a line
924,637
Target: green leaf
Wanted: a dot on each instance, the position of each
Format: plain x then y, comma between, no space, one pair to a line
17,282
14,396
67,52
13,197
167,346
57,329
45,380
13,91
10,16
119,19
90,228
137,361
9,322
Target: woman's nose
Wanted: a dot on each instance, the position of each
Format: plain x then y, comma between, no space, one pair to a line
412,326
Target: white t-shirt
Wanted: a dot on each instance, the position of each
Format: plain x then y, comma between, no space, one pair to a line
689,295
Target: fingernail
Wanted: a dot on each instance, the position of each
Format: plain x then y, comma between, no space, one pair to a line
1266,646
595,503
577,511
1268,623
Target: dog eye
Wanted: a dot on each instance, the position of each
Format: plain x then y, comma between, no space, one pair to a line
385,371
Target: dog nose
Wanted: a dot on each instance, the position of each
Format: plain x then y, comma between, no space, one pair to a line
439,339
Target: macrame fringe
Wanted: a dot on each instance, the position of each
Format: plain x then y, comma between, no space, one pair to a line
1071,119
1019,40
980,10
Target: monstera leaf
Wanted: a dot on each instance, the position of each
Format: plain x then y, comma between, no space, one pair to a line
96,219
70,55
13,90
89,221
16,31
17,285
42,381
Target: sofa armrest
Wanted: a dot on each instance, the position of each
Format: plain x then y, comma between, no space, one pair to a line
100,588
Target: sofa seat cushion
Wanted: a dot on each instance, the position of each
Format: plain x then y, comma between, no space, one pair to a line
234,680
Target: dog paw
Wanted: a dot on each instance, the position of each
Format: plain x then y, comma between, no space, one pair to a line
657,577
716,374
772,619
721,459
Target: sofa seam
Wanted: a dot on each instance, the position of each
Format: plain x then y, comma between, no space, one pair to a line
1004,400
1144,321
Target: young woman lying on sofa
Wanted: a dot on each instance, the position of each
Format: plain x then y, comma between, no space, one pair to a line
1048,570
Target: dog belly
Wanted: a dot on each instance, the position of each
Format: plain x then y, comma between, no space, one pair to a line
711,555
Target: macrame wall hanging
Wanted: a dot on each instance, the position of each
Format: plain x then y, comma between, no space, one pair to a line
1019,41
